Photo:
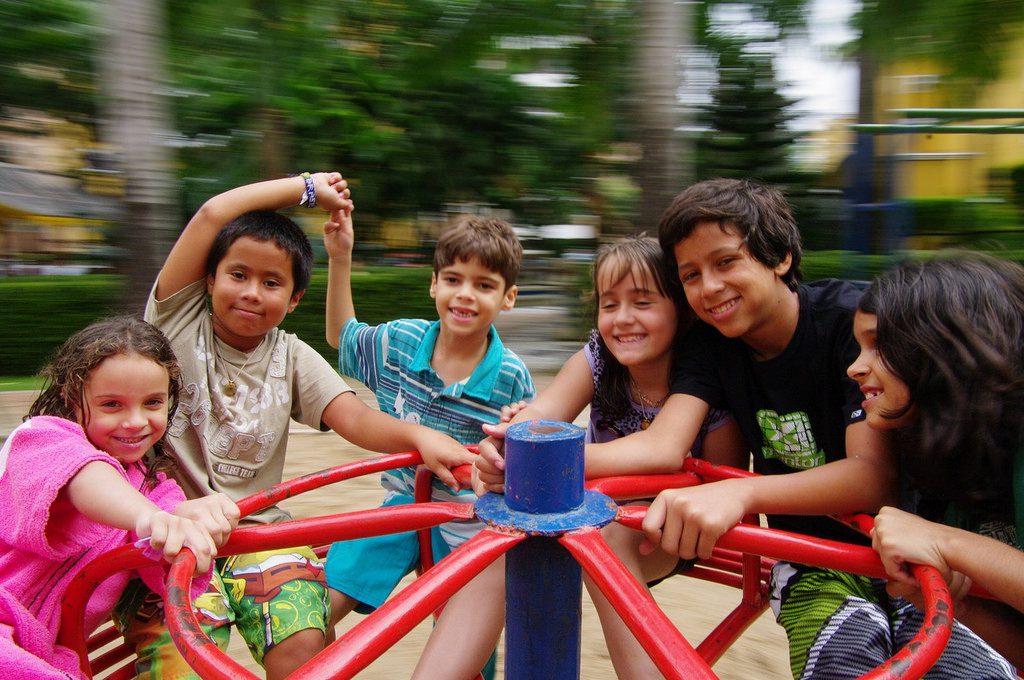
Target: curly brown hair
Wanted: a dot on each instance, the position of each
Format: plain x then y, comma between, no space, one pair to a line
63,393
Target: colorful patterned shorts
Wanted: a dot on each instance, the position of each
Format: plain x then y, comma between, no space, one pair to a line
267,595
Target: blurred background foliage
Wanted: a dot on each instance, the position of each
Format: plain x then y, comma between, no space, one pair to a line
542,111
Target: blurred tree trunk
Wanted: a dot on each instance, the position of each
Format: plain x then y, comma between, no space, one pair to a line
136,124
665,35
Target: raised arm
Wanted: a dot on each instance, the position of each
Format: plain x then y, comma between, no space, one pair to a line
186,262
339,238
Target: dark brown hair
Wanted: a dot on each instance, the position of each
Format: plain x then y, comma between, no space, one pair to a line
489,240
757,212
267,226
950,329
63,393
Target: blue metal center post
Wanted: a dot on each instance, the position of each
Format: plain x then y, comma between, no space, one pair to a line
544,498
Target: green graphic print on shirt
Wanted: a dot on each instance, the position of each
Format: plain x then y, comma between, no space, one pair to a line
790,439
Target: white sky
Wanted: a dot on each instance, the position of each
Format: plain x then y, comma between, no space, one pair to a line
825,85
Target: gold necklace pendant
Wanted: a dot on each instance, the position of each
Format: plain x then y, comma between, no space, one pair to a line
644,423
230,388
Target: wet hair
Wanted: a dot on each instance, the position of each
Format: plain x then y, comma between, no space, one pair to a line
632,256
757,212
63,393
489,240
950,328
267,226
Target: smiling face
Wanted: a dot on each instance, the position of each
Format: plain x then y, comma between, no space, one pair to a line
251,292
730,290
636,322
125,406
884,393
469,296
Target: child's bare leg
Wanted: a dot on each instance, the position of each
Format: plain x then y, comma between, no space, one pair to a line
341,605
628,656
467,630
295,650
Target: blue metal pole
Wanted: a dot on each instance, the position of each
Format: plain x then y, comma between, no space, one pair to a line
543,601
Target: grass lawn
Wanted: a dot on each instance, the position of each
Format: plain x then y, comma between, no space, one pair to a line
10,383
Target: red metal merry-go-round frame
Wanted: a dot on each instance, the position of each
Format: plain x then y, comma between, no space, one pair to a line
742,559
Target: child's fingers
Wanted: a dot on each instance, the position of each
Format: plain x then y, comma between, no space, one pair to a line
490,459
491,482
654,518
647,547
334,223
446,476
186,533
230,509
157,531
479,488
202,546
495,431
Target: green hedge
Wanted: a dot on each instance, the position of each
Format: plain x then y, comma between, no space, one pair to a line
40,312
966,222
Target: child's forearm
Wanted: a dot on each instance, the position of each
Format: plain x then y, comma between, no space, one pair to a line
659,449
993,565
101,494
640,453
340,306
367,427
842,486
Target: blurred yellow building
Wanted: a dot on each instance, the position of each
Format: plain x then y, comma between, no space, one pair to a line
942,164
52,211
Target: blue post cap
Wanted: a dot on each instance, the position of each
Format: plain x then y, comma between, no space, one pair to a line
544,466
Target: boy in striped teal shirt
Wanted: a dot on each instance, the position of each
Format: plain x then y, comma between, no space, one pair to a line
452,375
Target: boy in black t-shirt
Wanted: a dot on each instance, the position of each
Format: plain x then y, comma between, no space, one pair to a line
775,352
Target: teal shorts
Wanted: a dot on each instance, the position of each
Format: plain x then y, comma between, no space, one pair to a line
369,569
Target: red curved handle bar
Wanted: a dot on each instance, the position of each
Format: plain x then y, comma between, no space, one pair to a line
911,661
212,663
917,656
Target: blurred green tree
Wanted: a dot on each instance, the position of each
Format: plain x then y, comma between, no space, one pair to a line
46,56
135,122
422,103
747,121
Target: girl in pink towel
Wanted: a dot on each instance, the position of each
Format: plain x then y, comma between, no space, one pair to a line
82,475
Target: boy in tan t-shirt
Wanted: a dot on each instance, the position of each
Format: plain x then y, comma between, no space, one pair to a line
244,380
